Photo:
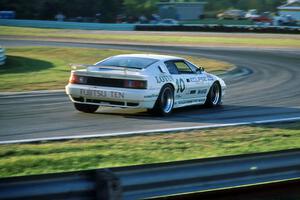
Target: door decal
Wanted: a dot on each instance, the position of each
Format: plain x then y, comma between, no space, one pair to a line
180,85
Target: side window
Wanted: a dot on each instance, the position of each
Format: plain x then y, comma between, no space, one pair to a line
193,67
183,68
171,67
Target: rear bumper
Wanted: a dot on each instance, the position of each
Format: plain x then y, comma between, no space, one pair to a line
112,97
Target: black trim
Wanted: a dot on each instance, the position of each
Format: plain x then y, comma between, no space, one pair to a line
117,103
107,82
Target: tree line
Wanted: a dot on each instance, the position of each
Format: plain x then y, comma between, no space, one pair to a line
110,10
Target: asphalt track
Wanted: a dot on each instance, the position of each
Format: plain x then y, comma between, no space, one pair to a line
269,90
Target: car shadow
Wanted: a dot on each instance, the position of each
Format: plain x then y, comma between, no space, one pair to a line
18,64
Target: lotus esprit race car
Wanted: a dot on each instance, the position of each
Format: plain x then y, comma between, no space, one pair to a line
158,83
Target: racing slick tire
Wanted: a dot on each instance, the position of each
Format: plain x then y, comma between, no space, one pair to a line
87,108
165,102
214,96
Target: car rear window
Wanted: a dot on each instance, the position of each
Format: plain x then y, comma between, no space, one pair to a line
128,62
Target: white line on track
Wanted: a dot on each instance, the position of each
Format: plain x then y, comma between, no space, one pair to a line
150,131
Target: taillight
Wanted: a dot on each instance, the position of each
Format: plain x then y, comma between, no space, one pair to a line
135,84
75,79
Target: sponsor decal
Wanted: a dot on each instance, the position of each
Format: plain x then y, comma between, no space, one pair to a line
210,78
151,96
102,94
202,92
163,79
117,95
180,85
198,79
189,101
193,92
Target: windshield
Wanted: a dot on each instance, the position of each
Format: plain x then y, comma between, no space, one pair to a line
128,62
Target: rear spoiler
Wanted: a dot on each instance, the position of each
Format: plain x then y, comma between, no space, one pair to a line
79,66
93,67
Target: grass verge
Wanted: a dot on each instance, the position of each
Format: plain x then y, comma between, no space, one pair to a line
25,159
40,68
157,38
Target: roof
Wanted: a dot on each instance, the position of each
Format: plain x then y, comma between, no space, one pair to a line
153,56
291,6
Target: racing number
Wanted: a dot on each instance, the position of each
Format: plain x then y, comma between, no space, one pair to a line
180,85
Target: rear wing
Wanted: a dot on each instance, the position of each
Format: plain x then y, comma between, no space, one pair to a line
79,66
98,68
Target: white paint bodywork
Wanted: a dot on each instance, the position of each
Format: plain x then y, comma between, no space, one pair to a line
189,89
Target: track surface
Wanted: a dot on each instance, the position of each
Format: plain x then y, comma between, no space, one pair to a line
270,91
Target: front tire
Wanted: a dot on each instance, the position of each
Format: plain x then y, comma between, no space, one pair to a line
214,96
87,108
165,102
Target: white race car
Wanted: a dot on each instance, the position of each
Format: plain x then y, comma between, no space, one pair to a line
158,83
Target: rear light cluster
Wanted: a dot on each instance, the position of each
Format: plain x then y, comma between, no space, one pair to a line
135,84
108,82
75,79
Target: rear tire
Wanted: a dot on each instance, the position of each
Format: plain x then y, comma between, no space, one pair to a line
164,103
214,96
87,108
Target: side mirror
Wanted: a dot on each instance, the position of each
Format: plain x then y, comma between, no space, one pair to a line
200,69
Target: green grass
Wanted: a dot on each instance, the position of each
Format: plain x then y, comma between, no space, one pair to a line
43,68
46,157
150,38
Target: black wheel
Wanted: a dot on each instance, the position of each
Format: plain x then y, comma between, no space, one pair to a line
214,96
165,102
87,108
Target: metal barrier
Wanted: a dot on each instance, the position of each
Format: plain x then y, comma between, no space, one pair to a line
2,56
221,28
154,180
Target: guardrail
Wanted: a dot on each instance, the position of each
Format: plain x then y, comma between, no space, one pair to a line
154,180
221,28
2,56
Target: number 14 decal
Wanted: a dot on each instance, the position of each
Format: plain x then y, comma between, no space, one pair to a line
180,85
